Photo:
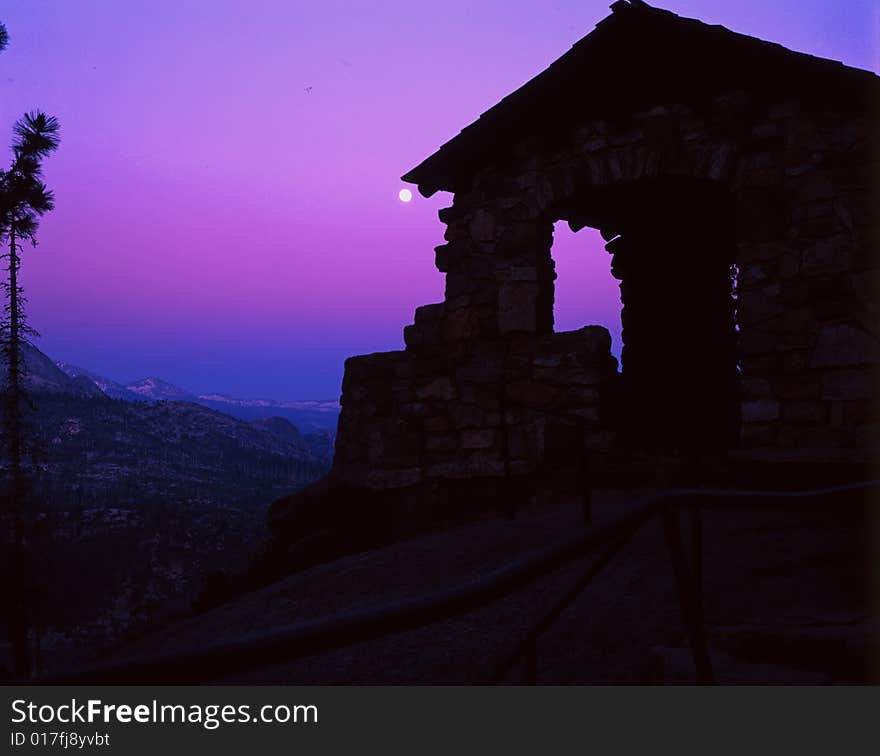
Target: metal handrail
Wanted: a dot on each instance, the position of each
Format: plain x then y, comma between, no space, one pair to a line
527,648
221,660
348,628
688,573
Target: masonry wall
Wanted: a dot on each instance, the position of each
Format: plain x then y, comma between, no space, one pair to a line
808,286
519,408
484,377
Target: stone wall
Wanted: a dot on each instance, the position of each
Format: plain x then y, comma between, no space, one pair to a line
444,411
808,286
484,377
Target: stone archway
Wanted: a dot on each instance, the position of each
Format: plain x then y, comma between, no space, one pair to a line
668,218
673,247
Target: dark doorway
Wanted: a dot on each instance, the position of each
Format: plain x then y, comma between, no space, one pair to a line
672,247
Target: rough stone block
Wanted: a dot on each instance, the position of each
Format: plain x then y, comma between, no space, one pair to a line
437,424
753,342
814,186
755,388
475,466
412,337
441,442
530,393
518,274
550,361
755,434
804,411
850,384
383,480
517,307
467,416
815,437
440,388
800,386
843,345
446,256
587,414
751,251
458,282
459,325
477,439
752,274
517,443
827,255
526,237
760,410
429,314
480,369
413,410
482,226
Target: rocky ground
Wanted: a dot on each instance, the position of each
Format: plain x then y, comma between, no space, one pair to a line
799,580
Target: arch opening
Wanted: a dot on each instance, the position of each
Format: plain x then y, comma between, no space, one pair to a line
672,249
585,292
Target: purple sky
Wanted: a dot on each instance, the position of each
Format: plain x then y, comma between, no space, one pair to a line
221,227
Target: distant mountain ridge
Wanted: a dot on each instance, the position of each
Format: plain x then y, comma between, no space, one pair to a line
42,375
307,415
216,413
110,388
159,390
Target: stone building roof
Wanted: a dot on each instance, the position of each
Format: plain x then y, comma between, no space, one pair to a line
639,57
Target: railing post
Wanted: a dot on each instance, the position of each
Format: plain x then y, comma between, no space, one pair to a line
530,662
587,506
690,607
509,498
585,484
697,554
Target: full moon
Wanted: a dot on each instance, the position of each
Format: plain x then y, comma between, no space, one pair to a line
405,195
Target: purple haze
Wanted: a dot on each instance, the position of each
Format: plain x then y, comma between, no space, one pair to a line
227,181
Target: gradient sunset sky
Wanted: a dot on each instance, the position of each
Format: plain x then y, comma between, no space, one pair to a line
227,183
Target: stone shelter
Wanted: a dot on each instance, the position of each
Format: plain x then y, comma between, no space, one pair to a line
736,184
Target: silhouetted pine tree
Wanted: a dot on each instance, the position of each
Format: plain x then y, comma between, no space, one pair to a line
24,198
